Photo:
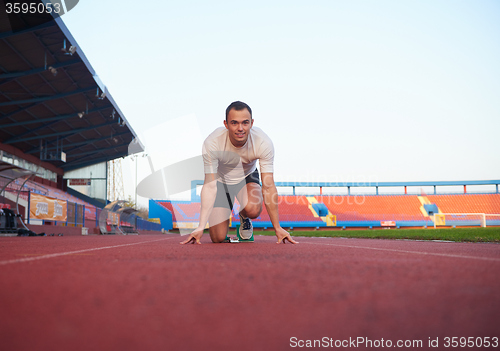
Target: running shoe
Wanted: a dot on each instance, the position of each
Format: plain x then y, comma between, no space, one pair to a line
246,228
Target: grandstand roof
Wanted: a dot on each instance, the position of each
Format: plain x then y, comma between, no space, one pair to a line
51,99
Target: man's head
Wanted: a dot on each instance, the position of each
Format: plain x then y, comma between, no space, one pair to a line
238,106
238,122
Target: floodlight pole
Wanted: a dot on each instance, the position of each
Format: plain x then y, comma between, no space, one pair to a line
136,161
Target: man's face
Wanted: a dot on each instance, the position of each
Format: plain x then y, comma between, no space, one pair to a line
238,124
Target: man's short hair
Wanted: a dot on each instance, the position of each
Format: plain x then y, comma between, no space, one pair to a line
238,106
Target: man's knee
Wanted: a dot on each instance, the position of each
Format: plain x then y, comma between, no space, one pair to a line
253,210
218,232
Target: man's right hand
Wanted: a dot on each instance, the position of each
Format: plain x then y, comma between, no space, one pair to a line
194,237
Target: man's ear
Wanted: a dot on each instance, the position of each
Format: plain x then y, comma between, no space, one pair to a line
225,124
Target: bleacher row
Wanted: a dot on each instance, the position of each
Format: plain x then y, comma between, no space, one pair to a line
477,203
353,210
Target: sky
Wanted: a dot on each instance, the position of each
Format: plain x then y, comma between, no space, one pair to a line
348,90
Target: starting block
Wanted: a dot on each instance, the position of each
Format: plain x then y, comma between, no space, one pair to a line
240,239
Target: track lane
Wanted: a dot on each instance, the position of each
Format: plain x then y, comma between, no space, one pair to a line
148,294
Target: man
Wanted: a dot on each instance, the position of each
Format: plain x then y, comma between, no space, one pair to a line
230,157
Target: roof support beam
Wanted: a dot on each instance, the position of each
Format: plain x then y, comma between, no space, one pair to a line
28,30
75,165
45,98
16,111
97,151
75,145
50,119
37,70
67,132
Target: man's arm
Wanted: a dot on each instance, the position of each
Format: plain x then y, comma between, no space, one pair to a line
208,194
270,194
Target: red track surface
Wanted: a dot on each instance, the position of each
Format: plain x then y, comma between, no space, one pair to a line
150,293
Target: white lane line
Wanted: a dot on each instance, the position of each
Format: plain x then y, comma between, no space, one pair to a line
410,252
29,259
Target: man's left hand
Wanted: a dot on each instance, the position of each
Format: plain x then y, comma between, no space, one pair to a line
284,236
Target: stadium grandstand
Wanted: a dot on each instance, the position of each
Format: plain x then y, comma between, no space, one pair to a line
344,209
59,127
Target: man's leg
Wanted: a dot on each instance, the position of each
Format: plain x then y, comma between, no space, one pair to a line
219,224
218,220
250,199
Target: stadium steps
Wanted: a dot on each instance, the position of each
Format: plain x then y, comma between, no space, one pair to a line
315,207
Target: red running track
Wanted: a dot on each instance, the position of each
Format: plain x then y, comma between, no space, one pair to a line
148,292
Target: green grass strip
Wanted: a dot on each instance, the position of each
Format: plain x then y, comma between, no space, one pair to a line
488,234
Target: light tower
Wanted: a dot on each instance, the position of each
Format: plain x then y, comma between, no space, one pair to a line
115,180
